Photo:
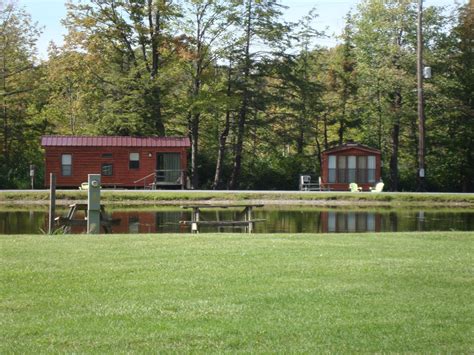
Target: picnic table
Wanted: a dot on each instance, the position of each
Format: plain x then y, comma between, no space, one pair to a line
247,217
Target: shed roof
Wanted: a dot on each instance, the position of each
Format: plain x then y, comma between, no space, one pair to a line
348,146
114,141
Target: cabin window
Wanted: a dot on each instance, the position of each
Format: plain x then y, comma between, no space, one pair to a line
107,155
351,168
134,162
332,168
361,169
371,168
107,169
66,164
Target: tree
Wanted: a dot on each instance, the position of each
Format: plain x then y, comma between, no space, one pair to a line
125,43
205,24
384,37
18,80
342,82
259,22
450,104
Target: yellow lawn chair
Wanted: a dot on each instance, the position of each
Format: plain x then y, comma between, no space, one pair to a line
353,187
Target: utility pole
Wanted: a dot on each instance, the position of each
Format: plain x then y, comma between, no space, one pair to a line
421,106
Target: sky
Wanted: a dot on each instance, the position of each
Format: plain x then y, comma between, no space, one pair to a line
48,14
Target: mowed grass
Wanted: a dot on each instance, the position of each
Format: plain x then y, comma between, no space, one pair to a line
393,292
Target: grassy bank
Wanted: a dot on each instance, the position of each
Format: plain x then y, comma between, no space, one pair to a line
398,292
180,197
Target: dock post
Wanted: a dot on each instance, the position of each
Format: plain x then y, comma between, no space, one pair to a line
248,218
194,219
52,202
93,204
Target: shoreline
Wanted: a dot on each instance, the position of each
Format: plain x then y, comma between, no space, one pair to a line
268,198
266,202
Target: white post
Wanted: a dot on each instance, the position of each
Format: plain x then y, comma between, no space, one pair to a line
93,204
52,202
195,218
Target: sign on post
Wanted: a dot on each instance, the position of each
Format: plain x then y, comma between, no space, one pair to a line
93,204
32,176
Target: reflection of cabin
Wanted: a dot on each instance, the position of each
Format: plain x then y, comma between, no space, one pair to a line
350,162
349,221
122,161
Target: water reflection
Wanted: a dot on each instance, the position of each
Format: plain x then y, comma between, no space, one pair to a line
276,221
351,222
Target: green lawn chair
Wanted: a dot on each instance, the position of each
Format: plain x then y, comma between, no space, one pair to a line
377,188
353,187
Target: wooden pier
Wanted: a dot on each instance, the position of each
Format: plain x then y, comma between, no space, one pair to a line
69,221
247,214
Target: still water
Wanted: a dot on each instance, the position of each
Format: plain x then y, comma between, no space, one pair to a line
291,220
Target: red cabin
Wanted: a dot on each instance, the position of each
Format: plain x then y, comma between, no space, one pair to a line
121,161
350,162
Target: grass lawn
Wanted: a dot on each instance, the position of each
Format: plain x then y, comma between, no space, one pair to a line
397,292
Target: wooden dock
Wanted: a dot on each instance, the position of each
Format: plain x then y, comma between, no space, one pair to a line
247,213
68,221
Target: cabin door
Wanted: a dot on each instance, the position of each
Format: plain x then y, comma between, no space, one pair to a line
168,168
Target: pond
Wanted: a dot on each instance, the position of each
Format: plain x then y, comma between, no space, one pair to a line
277,220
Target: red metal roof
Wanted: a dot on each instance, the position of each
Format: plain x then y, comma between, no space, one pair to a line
114,141
347,146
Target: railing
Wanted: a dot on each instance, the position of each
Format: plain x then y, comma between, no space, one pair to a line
163,177
145,179
351,175
170,177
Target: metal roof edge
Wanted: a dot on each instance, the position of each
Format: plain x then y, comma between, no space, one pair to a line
347,146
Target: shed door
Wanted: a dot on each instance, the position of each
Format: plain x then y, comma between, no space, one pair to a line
168,168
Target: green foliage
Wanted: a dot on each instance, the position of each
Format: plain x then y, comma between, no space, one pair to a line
258,100
19,81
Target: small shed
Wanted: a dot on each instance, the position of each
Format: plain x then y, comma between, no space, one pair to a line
350,162
122,161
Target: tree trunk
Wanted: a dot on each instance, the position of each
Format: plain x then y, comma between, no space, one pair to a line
194,136
221,153
236,170
6,155
325,131
342,121
300,139
395,143
340,132
380,116
154,28
234,180
318,154
223,136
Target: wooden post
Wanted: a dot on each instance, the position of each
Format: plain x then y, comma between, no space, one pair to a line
52,202
421,109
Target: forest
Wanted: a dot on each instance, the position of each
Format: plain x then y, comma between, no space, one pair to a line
258,98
